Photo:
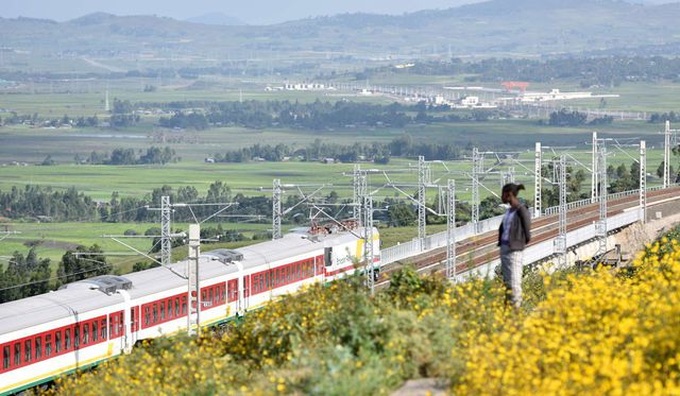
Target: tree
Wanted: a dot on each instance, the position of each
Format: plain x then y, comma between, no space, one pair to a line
401,215
82,263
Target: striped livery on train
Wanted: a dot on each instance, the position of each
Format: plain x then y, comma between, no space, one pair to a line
90,321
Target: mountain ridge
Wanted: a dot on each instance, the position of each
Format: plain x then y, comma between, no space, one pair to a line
492,28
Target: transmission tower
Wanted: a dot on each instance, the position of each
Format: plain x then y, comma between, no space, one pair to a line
538,180
643,181
277,213
560,242
451,230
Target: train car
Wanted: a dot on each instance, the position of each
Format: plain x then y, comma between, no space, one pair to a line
87,322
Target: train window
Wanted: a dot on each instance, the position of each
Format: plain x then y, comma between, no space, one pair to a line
154,313
48,345
17,353
67,339
38,348
86,333
210,295
103,329
5,357
176,306
95,331
76,336
57,342
135,318
328,256
184,305
232,288
27,351
168,308
147,315
161,307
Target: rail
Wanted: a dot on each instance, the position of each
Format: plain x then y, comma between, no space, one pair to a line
535,253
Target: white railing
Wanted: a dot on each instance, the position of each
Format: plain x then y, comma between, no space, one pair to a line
434,241
542,250
534,253
584,202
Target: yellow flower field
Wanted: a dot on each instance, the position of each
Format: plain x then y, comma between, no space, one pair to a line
591,332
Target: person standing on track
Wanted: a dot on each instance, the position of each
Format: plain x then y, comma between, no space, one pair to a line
513,235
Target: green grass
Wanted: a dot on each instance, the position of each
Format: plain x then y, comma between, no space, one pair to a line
52,240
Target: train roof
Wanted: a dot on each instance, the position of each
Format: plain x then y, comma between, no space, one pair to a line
89,295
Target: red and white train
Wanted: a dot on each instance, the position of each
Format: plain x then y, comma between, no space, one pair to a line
90,321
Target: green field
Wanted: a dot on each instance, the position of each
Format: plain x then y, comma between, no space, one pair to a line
23,148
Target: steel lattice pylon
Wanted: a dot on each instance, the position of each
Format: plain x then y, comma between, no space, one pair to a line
667,155
368,242
643,181
451,230
508,176
601,226
423,181
277,213
538,180
477,171
594,177
166,243
359,191
560,243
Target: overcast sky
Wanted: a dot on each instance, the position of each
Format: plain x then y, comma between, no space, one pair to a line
248,11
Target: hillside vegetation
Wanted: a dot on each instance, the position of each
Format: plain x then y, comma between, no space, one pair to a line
496,27
580,332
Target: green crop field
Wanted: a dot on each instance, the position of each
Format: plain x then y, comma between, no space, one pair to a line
23,148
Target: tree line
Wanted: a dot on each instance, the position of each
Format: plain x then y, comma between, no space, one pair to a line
28,275
402,146
127,156
588,71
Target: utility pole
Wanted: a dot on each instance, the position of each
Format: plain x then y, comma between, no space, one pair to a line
368,242
538,179
193,280
643,181
594,177
668,136
451,230
423,182
560,242
277,213
477,171
601,226
360,189
166,242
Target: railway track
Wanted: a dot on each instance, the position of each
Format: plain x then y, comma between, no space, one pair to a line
481,249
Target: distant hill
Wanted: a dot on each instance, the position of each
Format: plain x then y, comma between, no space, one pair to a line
216,18
492,28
